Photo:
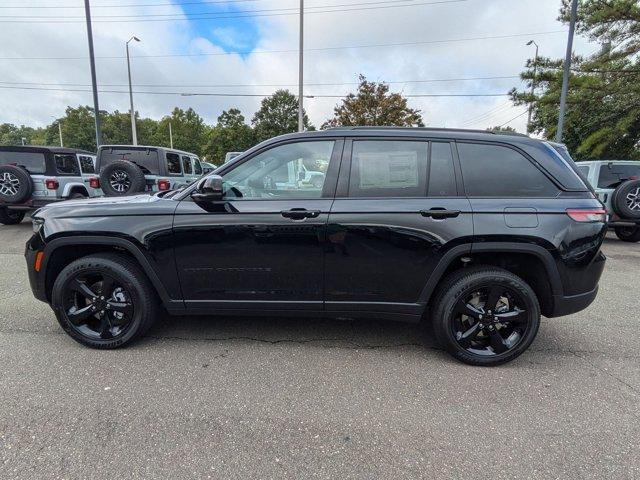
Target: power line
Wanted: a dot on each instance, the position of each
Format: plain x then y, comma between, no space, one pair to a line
317,49
488,114
514,118
127,5
221,85
226,94
216,16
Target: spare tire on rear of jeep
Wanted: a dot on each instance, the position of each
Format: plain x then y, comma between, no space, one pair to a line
625,199
122,178
15,184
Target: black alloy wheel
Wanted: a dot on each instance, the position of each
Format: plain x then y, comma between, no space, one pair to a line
485,315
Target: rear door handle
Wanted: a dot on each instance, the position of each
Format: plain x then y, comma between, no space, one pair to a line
300,213
439,212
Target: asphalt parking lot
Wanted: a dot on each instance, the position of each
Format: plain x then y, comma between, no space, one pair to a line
299,398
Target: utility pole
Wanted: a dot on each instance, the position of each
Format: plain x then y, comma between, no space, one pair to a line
301,70
533,84
567,71
170,136
92,63
60,132
134,132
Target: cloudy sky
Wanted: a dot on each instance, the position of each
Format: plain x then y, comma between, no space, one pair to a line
249,47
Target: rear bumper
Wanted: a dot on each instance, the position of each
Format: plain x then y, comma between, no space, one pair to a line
566,305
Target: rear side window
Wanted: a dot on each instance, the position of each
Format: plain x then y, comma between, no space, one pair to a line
67,164
33,162
612,175
388,169
145,158
86,164
173,164
442,178
186,165
499,171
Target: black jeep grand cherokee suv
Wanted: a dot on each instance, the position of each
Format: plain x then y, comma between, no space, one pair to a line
480,233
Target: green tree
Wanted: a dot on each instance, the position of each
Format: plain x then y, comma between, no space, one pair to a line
231,134
603,105
12,135
188,128
374,105
78,129
501,129
278,115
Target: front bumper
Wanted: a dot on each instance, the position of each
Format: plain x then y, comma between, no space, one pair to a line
36,279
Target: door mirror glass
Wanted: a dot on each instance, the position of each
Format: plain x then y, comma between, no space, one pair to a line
209,189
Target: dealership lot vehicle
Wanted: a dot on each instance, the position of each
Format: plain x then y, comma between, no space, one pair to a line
393,232
126,169
617,185
31,177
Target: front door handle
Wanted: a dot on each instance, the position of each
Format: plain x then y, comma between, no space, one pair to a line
439,212
300,213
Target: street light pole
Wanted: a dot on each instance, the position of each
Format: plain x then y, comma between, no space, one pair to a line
533,84
567,71
92,64
60,132
301,70
134,133
170,136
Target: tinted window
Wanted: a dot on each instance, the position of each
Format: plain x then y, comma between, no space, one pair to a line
173,164
611,175
584,171
67,164
86,164
197,167
186,165
388,169
33,162
291,170
497,171
145,158
442,178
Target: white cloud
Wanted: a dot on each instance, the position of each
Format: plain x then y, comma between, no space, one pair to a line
473,18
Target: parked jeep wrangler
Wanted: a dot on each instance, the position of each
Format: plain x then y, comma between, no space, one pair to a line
126,169
31,177
479,233
617,185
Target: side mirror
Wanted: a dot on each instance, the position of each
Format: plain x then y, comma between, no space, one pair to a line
209,189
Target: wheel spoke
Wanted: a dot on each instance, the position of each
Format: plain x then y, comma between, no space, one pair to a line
77,317
467,309
107,286
125,308
465,338
495,292
515,316
105,326
497,342
82,288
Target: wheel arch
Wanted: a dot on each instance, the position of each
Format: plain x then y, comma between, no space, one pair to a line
74,187
61,251
531,262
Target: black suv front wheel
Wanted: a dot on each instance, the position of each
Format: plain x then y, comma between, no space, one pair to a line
485,315
104,301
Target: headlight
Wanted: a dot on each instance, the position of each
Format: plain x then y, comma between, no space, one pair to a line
37,223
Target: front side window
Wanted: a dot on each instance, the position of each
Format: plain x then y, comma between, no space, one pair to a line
173,164
293,170
381,168
67,164
499,171
186,165
86,164
197,167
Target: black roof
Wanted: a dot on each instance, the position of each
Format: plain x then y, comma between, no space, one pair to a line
42,149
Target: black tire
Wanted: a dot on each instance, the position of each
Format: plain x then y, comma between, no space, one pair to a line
480,349
625,199
122,178
138,301
628,234
11,217
15,184
77,196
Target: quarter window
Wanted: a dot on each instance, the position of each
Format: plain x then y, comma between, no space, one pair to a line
442,178
498,171
197,167
86,164
67,164
293,170
186,165
173,164
382,168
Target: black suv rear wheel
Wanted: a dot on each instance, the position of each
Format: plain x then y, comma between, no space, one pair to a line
104,301
485,316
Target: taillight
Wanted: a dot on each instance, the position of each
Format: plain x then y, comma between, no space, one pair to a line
94,182
587,214
51,184
163,185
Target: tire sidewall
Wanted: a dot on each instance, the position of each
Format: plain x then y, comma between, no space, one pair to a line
619,199
443,316
98,266
133,171
26,185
